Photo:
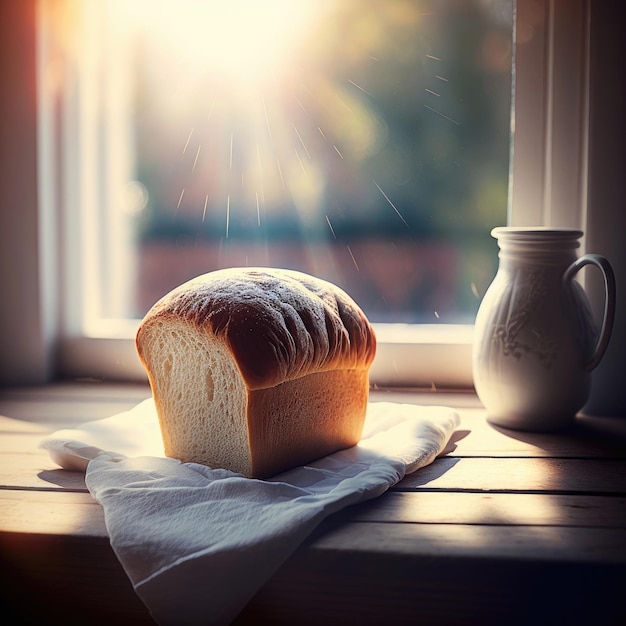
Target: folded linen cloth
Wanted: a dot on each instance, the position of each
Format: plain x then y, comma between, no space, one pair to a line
197,543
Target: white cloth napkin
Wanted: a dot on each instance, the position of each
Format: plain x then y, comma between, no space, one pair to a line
197,543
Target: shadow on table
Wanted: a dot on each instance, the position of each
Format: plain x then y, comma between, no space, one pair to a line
68,480
586,436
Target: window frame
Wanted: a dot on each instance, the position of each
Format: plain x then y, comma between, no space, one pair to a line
548,186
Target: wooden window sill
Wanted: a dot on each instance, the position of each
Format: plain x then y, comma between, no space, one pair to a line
507,528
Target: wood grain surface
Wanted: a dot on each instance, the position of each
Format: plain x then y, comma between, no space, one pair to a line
503,524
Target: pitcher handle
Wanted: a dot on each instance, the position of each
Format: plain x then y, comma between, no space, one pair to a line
609,301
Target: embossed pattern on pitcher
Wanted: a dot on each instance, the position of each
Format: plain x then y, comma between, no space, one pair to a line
507,334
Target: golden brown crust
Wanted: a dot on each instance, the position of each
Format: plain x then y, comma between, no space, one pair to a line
279,324
305,419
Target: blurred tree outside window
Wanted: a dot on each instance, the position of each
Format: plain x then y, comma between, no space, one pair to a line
363,141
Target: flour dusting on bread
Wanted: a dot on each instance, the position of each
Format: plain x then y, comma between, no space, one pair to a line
257,370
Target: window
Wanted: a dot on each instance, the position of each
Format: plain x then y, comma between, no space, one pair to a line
98,148
363,142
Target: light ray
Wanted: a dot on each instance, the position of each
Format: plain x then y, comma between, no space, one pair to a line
301,105
442,115
208,119
343,104
259,161
361,88
434,93
206,202
267,119
353,259
332,230
180,199
391,204
188,140
280,172
227,215
195,162
302,141
337,151
301,162
306,88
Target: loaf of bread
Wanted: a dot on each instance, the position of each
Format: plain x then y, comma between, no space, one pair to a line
257,370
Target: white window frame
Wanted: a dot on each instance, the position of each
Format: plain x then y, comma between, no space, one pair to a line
549,174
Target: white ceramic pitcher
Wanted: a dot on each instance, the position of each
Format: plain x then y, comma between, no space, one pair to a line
535,341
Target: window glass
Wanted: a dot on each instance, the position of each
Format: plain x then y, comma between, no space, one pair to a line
362,141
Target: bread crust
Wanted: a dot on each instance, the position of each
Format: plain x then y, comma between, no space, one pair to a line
305,419
257,370
279,324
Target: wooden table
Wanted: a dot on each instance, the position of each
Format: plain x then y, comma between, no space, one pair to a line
508,528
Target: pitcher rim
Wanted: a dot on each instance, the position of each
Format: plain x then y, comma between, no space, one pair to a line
544,231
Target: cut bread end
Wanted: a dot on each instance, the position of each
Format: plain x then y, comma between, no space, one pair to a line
200,396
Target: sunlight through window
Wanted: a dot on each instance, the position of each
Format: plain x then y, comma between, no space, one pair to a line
362,141
245,41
